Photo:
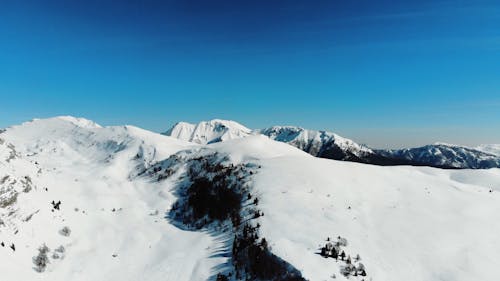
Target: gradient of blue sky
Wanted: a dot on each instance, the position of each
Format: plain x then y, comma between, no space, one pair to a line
385,73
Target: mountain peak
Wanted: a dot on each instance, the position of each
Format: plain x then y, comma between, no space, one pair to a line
76,121
211,131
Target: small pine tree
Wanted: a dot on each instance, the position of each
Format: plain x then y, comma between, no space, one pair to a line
323,252
361,267
263,243
65,231
335,254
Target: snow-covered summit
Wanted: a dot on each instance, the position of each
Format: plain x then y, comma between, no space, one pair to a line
77,137
206,132
318,143
77,121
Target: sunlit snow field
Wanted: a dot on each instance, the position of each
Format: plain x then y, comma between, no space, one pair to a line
406,223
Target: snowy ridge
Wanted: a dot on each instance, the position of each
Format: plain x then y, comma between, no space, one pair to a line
329,145
317,143
90,142
446,155
77,121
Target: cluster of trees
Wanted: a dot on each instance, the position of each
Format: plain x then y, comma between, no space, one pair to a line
350,269
214,193
12,246
253,260
210,198
213,198
41,260
333,249
59,252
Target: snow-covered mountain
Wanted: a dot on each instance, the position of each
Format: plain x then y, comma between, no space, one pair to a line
446,155
208,131
122,203
329,145
318,143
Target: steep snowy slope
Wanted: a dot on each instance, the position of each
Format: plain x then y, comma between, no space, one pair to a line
208,131
17,176
446,155
406,223
115,226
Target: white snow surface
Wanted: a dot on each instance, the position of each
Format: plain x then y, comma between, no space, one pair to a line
406,223
490,148
87,168
205,132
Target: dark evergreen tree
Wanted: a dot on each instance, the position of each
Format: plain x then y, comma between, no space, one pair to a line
342,255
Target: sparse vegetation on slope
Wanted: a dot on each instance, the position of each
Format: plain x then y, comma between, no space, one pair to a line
215,193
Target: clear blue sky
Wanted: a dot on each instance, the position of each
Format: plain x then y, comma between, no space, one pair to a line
385,73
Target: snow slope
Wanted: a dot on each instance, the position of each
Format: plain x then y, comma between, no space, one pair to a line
406,223
118,230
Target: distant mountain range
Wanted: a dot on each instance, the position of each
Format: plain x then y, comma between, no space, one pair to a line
329,145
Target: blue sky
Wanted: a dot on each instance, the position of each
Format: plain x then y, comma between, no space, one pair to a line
385,73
